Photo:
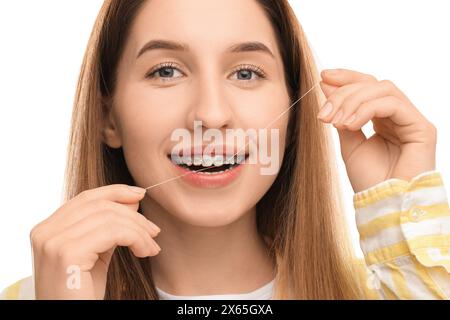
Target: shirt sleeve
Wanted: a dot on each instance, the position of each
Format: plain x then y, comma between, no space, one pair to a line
20,290
404,230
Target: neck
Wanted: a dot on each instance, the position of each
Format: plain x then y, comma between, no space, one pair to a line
197,260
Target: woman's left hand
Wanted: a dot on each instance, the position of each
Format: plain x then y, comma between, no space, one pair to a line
404,143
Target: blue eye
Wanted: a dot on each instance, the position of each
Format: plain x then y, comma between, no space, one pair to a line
245,72
165,71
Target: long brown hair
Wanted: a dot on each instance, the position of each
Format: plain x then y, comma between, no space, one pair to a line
301,212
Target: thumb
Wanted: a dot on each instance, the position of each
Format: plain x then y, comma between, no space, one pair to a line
327,89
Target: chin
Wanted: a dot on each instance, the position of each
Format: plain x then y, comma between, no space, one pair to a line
209,213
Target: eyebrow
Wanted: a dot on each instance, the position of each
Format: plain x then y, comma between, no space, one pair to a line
252,46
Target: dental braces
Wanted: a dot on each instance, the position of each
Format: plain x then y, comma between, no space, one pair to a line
207,160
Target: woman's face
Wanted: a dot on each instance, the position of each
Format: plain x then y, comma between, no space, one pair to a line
205,77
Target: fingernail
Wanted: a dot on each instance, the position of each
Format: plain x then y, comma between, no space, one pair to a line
326,110
350,120
337,117
138,190
154,226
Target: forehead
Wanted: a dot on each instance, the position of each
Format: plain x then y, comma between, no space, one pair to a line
206,25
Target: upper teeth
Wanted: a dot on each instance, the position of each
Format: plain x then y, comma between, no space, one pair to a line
207,160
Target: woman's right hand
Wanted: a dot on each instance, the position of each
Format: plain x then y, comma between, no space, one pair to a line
78,240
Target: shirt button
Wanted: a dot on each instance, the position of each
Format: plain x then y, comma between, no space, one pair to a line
416,213
407,201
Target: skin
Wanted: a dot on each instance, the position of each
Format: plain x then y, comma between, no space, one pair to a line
84,233
404,143
209,240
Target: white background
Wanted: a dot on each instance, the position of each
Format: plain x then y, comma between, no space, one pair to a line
42,44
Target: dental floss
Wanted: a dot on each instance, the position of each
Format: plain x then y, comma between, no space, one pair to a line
270,123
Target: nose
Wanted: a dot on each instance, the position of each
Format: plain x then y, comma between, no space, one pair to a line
211,107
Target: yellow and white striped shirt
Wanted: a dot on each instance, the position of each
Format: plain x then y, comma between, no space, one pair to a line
404,232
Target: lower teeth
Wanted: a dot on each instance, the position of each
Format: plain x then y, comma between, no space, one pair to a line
203,170
216,172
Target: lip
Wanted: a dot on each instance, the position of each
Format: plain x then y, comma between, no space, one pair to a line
202,180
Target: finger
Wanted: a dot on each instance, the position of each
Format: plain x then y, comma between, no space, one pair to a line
61,223
327,89
120,193
132,206
385,107
97,221
340,77
105,217
118,208
51,247
348,104
390,107
85,251
329,110
349,140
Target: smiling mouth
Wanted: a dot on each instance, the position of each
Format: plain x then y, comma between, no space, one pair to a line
209,165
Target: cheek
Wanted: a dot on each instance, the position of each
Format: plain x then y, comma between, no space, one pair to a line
271,114
267,110
259,108
148,115
146,120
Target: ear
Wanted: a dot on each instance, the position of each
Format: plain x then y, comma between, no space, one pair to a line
110,133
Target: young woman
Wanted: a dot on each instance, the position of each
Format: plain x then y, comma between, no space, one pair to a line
152,67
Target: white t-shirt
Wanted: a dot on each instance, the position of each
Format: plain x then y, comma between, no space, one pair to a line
262,293
24,290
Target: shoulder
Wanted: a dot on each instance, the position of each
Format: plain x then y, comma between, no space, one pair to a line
20,290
